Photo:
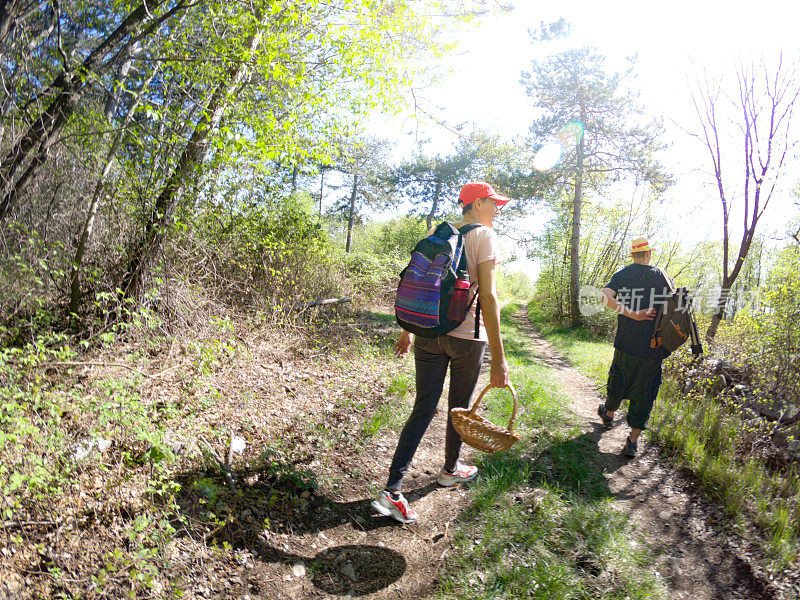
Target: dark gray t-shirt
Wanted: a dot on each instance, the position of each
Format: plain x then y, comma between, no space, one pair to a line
638,287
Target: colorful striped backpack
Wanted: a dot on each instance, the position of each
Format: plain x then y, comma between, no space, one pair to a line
433,294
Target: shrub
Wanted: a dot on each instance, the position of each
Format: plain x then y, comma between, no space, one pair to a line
381,251
274,254
766,341
515,285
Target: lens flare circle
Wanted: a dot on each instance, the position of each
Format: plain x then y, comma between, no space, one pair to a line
547,156
570,134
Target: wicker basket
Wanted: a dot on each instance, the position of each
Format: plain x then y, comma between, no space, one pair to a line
481,433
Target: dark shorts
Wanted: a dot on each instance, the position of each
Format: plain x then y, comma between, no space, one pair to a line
637,380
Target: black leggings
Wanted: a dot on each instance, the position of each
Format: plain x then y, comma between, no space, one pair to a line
431,359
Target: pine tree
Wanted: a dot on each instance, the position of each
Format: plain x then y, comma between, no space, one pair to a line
604,134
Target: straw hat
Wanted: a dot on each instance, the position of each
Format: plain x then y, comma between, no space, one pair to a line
641,244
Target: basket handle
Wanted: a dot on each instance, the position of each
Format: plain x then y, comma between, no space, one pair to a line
513,412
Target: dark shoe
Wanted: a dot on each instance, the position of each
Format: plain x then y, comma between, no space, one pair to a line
607,421
630,448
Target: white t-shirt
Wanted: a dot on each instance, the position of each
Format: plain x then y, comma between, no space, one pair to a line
481,246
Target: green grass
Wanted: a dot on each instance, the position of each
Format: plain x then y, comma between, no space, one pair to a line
707,438
540,524
590,354
386,415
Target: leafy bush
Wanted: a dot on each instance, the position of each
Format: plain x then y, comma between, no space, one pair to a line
31,278
275,254
381,251
30,413
515,285
372,276
767,341
396,236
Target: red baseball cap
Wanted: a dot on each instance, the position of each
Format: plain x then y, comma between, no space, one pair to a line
480,189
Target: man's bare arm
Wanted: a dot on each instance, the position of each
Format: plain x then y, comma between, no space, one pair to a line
609,298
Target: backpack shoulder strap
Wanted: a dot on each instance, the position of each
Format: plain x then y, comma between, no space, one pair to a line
667,280
464,229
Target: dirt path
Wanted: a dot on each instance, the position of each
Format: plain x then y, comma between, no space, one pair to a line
695,559
387,559
338,547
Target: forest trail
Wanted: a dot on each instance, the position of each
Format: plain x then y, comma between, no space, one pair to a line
352,551
276,538
695,558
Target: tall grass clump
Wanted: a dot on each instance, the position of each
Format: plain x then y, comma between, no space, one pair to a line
714,442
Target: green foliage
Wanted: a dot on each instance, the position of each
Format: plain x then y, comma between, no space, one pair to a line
576,86
396,236
766,341
616,149
382,250
272,254
598,328
432,184
217,350
188,122
605,232
30,413
30,278
373,276
391,413
514,285
709,438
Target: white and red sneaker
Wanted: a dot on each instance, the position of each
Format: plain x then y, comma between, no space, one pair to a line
396,508
461,474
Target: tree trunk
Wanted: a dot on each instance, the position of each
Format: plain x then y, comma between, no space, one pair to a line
575,243
321,188
119,82
352,214
69,87
719,310
728,279
6,22
432,213
12,12
88,227
143,252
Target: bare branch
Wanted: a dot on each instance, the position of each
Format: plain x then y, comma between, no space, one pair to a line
765,103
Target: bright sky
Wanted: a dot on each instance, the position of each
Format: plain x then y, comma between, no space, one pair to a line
672,40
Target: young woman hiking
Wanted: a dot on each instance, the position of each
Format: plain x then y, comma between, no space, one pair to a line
459,349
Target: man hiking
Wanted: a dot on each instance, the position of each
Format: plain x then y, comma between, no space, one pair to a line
635,292
460,349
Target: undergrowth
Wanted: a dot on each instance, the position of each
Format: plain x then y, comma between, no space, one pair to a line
107,445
